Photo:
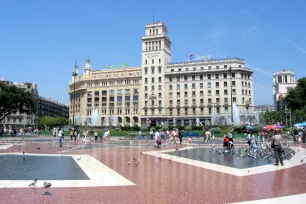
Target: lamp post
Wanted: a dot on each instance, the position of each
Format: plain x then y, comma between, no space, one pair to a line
74,74
230,72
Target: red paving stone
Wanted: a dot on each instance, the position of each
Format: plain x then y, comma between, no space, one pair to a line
160,181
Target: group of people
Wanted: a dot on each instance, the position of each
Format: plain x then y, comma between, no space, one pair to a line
174,135
75,134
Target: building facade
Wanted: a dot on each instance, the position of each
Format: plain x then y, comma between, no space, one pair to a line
105,98
168,93
43,107
282,82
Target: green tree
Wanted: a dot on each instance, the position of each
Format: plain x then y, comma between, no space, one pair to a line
15,100
296,98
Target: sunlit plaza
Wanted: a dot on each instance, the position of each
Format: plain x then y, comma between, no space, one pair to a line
152,102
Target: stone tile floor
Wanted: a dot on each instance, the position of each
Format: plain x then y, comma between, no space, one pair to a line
154,179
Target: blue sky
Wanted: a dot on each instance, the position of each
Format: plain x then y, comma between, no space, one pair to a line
40,40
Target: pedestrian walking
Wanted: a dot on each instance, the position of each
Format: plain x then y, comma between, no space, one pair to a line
276,145
60,137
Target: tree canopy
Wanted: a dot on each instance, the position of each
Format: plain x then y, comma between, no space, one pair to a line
15,100
296,98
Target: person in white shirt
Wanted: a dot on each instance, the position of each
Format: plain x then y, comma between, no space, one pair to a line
60,137
139,135
106,135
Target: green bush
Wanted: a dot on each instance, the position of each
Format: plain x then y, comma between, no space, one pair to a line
165,128
215,130
143,129
255,130
136,128
197,128
188,128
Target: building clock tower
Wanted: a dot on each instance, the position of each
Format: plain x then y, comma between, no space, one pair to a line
156,53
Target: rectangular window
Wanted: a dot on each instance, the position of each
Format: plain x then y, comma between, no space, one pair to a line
217,100
146,61
234,99
217,84
159,79
217,76
201,93
177,86
233,75
178,78
135,98
209,76
209,100
152,70
186,94
224,75
225,84
185,86
119,98
193,86
209,85
146,88
170,79
146,95
225,92
178,94
170,87
217,92
193,78
159,87
159,70
233,83
152,61
127,98
152,79
193,94
185,78
201,85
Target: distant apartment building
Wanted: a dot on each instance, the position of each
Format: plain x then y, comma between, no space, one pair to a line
263,108
283,81
43,106
162,92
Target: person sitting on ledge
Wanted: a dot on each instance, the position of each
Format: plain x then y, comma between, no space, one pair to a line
226,141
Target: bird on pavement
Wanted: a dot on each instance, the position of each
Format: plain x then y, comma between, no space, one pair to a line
79,158
33,183
38,148
47,184
134,158
128,163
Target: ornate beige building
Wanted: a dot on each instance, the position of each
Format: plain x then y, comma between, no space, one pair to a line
164,92
105,97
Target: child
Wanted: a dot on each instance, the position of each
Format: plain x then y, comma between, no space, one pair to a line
190,140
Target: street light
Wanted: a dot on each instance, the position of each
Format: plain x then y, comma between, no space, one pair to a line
74,74
230,71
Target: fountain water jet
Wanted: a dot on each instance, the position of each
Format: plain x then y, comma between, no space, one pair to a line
236,115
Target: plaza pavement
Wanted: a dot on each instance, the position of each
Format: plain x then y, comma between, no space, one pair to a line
156,179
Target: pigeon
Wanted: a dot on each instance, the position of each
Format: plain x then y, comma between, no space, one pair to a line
47,184
38,148
136,163
33,183
160,158
140,153
213,148
79,158
128,163
302,160
135,159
